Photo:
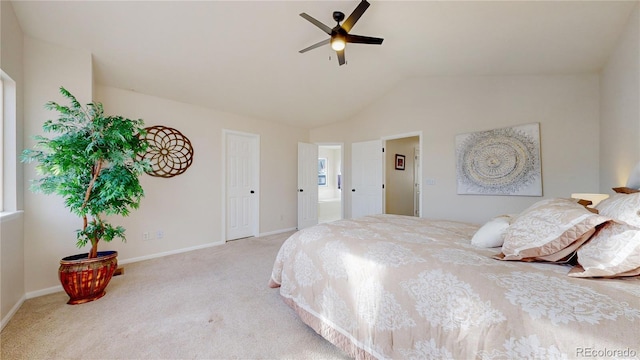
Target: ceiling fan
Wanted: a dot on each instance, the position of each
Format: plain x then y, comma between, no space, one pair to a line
339,35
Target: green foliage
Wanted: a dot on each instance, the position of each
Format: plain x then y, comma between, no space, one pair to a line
94,163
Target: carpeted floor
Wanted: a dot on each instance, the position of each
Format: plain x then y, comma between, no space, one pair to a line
206,304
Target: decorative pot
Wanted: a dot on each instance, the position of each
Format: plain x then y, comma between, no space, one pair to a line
85,279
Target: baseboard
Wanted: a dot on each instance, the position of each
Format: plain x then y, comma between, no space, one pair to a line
276,232
14,309
167,253
43,292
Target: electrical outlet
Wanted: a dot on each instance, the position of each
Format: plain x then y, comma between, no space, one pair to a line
146,236
160,234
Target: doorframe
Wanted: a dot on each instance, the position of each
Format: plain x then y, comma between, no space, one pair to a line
384,165
341,171
256,167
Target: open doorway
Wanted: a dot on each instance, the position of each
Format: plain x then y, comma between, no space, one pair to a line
402,176
330,183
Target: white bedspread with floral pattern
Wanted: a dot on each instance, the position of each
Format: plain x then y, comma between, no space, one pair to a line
397,287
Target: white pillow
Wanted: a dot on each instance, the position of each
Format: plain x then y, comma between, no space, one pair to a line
622,207
491,234
545,229
612,252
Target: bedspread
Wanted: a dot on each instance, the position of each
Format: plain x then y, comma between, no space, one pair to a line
400,287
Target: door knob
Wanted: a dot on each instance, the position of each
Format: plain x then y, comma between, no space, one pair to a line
301,190
353,190
253,192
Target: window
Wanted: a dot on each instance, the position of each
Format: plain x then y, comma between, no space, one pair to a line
8,144
2,143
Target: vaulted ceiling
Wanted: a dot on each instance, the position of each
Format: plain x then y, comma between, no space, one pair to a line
242,56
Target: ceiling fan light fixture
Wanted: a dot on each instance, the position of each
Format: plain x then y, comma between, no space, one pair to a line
338,43
339,35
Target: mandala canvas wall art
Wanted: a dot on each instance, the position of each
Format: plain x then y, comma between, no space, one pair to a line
500,162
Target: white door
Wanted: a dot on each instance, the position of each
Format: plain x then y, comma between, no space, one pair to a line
242,172
366,184
307,185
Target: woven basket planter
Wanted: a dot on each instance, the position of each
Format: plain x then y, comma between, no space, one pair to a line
85,279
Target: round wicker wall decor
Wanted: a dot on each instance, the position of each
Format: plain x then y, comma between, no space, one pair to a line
170,152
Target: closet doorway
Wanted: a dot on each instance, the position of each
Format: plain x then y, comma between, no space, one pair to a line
402,175
330,183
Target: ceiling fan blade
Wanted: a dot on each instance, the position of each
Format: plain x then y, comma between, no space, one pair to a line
317,23
323,42
355,15
358,39
341,60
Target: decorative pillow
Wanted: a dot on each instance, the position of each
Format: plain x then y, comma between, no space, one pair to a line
549,230
623,207
614,251
491,234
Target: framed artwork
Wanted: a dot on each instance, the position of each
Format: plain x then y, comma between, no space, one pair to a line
399,162
322,166
322,180
500,162
322,172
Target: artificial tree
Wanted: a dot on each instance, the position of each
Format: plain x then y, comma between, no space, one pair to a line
94,162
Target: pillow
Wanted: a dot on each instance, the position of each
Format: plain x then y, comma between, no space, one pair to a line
549,230
614,251
623,207
491,234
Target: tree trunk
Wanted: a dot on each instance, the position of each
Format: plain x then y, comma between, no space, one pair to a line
94,249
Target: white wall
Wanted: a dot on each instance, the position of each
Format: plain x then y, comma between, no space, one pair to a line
188,207
567,107
11,62
620,108
12,290
49,227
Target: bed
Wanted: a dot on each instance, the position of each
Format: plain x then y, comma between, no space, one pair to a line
399,287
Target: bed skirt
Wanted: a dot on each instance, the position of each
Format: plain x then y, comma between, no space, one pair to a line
325,330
